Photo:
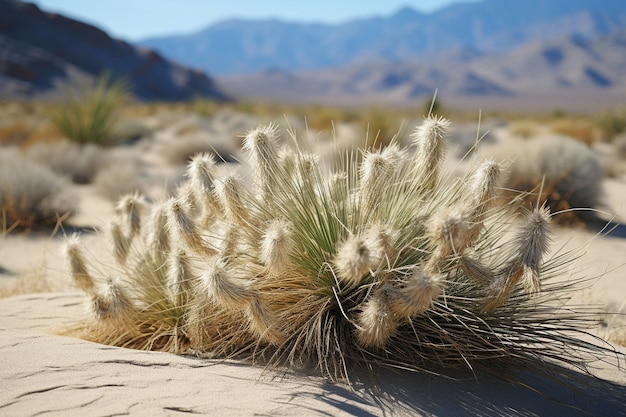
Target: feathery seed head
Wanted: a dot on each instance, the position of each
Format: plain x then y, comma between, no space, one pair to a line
429,134
223,289
376,171
532,243
261,144
129,208
533,239
375,322
78,266
159,236
120,305
287,160
394,154
178,219
263,322
484,183
121,243
353,260
276,246
449,232
229,191
184,228
200,174
179,277
417,293
379,240
429,138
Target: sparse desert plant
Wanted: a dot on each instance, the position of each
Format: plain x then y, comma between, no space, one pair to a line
612,123
31,195
583,131
88,114
524,129
563,172
381,260
117,179
620,146
80,163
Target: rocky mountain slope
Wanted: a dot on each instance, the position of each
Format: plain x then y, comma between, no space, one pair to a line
39,51
569,72
488,26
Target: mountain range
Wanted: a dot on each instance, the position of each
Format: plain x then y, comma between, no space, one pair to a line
570,72
486,27
534,53
40,52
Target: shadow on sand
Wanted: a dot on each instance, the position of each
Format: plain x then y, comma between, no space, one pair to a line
551,391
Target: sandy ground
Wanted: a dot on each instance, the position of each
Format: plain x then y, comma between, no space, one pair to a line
42,373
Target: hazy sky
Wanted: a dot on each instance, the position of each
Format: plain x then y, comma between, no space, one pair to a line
138,19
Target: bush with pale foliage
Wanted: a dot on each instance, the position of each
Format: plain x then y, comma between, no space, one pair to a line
381,260
31,196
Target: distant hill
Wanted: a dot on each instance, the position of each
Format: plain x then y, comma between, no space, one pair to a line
486,27
570,72
39,51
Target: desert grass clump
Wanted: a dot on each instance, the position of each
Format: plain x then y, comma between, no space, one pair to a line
32,196
303,265
563,172
89,114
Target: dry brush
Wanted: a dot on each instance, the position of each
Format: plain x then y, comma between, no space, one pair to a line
381,260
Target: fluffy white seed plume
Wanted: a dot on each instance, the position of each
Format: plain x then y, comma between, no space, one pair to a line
180,223
200,174
216,281
532,241
159,236
129,209
229,191
379,240
263,321
484,182
375,322
200,190
261,145
449,232
113,304
416,294
78,266
179,278
376,171
276,247
430,149
121,242
287,160
353,260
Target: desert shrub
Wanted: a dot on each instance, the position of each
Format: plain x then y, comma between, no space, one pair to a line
80,163
117,179
620,146
88,114
31,196
564,173
583,131
379,262
524,129
612,123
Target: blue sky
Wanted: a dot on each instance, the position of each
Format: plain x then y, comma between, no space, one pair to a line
138,19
